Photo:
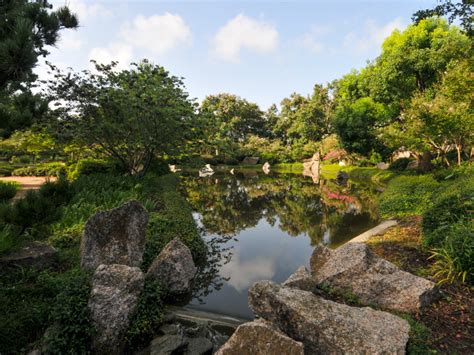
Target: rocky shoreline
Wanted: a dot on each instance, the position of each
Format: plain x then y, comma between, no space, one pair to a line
295,317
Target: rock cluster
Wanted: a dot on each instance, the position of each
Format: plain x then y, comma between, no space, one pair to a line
188,337
324,326
296,317
375,281
311,167
113,245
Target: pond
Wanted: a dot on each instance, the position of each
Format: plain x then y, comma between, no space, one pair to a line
266,226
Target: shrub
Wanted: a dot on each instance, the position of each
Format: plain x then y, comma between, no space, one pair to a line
37,208
7,190
8,238
44,169
454,202
148,317
455,258
89,166
71,328
173,219
400,164
407,196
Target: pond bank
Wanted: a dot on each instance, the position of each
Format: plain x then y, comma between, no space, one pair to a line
447,325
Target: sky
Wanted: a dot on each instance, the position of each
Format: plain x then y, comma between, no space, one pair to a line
260,50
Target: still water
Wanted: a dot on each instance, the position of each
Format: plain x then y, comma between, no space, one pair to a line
266,226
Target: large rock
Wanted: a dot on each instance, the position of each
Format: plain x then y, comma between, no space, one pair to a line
326,327
250,160
301,279
375,281
35,255
174,268
115,237
168,344
260,337
112,303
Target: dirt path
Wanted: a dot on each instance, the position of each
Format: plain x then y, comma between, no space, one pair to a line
27,183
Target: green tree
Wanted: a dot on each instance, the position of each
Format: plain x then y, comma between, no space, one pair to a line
230,119
130,115
304,119
461,10
356,124
27,28
444,118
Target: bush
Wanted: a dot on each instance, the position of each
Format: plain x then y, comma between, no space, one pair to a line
455,258
400,164
148,317
408,196
7,190
44,169
42,206
453,202
173,219
89,166
71,329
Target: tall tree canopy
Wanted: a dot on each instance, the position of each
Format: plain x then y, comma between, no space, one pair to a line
230,119
304,119
27,28
130,115
463,11
411,64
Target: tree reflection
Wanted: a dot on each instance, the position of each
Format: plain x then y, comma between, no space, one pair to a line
229,204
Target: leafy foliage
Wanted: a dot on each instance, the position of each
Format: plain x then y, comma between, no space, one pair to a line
71,327
7,190
459,10
148,317
27,28
454,258
130,115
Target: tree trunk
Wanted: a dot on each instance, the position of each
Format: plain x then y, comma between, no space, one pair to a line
459,150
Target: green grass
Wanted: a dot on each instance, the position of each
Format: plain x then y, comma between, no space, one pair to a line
408,196
295,168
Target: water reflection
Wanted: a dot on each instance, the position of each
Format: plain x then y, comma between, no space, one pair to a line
265,226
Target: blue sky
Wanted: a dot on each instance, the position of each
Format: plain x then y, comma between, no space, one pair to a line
259,50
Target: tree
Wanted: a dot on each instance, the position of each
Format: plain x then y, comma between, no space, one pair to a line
27,28
462,11
130,115
413,60
444,118
356,123
304,119
230,120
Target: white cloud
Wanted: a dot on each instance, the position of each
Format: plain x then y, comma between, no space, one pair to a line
158,33
119,52
243,274
244,32
372,37
312,40
70,40
85,10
